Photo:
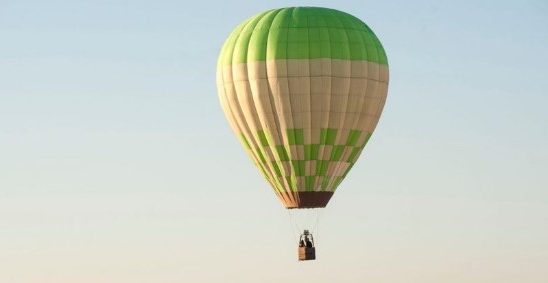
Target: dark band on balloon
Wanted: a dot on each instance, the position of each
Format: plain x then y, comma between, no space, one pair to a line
309,200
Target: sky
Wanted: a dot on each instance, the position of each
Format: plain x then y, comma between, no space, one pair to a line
117,164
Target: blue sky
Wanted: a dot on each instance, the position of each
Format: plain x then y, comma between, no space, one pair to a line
117,165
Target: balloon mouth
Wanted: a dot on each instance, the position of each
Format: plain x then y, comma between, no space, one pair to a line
297,200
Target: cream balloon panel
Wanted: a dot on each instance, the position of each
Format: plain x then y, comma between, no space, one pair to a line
280,96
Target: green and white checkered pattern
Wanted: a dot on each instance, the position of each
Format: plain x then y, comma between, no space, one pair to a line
295,166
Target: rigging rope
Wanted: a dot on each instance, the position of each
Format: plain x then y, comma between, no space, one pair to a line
310,218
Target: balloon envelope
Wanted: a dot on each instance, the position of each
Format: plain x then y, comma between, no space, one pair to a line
303,88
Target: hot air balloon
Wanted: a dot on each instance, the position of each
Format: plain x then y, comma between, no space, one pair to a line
303,89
